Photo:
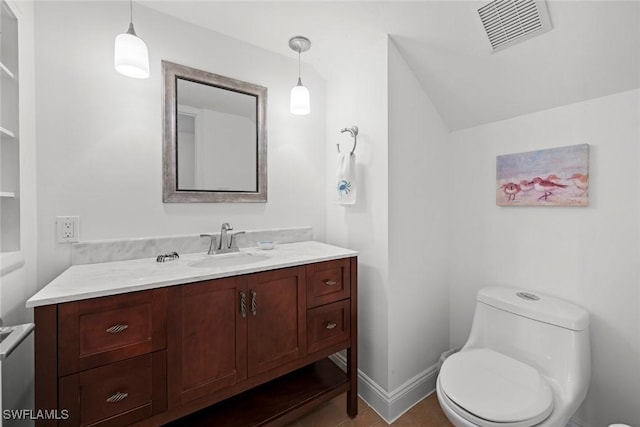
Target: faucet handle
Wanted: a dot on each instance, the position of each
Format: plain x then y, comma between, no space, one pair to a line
233,244
212,243
227,226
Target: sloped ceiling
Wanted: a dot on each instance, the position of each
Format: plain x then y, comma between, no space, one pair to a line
592,51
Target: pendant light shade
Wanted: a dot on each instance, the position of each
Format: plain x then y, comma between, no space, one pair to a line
300,103
131,56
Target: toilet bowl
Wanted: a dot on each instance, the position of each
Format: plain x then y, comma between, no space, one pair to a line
526,363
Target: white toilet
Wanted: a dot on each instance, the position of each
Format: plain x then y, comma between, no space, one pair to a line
527,362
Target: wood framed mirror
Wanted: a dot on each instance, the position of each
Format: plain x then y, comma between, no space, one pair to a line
214,138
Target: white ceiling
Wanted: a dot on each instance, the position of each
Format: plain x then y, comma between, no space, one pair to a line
592,51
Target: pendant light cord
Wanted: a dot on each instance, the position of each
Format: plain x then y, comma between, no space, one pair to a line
299,69
131,30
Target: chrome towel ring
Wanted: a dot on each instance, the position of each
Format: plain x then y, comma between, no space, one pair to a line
354,133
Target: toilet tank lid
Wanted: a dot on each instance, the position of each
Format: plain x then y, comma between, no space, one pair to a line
536,306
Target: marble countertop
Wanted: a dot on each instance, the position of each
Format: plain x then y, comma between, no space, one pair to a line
110,278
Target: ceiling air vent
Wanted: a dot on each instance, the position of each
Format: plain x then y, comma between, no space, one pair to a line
508,22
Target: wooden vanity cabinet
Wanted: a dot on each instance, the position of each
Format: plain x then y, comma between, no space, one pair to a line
149,358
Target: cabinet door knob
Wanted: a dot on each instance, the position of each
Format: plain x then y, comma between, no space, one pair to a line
330,282
116,329
331,325
117,397
254,302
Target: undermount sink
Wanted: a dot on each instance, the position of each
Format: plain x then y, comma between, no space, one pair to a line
228,260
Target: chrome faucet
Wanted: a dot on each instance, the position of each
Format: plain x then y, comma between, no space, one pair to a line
227,243
224,239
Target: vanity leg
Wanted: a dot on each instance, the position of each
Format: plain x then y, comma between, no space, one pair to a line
46,362
352,394
352,351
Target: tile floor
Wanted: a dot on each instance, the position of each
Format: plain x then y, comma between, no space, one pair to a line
426,413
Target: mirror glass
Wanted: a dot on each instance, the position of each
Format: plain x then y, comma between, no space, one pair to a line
217,138
214,137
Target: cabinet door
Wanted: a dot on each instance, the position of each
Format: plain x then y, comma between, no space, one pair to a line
207,332
277,328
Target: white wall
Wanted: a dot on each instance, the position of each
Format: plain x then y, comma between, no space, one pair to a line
418,229
357,95
100,136
396,223
586,255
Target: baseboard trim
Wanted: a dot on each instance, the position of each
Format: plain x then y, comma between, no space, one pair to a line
411,392
392,405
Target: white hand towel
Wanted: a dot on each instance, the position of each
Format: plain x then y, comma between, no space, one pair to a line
346,179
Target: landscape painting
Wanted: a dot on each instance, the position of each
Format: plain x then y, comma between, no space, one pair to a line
551,177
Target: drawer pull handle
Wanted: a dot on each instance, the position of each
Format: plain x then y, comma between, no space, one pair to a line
117,397
330,282
243,304
331,325
116,329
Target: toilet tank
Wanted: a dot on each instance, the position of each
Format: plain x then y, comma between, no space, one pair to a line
545,332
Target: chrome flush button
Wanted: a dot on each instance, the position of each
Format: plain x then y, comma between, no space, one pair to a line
528,296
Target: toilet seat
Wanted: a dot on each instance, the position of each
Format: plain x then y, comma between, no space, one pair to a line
490,389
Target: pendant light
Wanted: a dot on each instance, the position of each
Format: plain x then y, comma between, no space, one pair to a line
131,57
300,104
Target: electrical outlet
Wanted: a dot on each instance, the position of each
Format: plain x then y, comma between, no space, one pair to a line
68,229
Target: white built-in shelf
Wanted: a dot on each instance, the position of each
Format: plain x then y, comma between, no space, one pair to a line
7,71
10,261
7,132
9,140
